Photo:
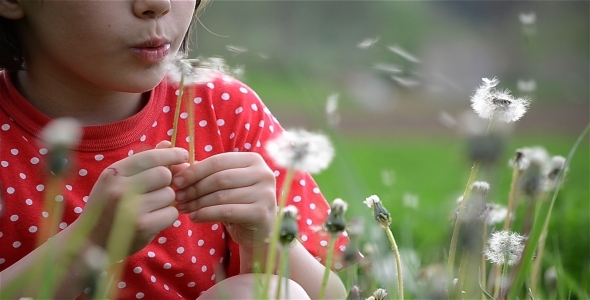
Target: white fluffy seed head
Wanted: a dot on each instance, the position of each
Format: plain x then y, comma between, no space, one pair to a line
488,102
505,247
301,150
372,200
62,132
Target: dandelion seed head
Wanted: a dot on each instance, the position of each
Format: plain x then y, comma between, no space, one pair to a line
480,187
290,211
380,213
380,294
335,224
557,164
301,150
339,206
524,156
372,200
494,214
289,228
505,247
62,132
488,102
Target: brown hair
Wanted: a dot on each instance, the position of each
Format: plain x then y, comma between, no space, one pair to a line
11,54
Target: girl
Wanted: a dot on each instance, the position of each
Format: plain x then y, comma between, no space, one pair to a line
104,64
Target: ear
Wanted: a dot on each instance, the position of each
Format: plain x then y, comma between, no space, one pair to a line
11,9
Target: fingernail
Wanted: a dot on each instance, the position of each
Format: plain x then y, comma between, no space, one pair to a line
178,181
185,154
180,196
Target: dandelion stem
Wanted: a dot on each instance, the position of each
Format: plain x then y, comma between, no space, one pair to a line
329,258
274,240
283,271
177,111
466,193
398,263
191,125
538,258
483,258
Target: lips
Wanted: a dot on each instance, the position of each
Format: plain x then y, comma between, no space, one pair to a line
152,51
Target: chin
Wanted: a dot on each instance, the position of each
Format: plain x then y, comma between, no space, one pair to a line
141,83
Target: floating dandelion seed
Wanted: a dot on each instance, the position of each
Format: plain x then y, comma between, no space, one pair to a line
527,18
389,68
505,247
526,86
403,53
367,43
196,71
405,82
301,150
332,110
489,102
236,49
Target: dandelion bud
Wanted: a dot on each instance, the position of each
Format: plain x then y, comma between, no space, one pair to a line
532,181
476,204
505,247
557,165
60,135
524,156
382,216
289,228
379,294
336,223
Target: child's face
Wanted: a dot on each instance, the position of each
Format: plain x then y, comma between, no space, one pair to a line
116,45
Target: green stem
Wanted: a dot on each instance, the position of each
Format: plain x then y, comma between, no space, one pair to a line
274,240
177,111
483,258
398,263
283,271
328,267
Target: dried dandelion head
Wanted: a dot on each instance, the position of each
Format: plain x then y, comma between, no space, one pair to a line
488,102
557,166
382,216
378,294
335,224
60,135
505,247
301,150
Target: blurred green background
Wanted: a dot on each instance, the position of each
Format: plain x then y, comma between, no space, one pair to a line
403,72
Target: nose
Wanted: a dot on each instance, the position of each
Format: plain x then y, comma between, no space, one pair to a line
151,9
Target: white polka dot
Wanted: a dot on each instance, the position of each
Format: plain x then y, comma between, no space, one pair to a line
248,146
208,148
308,221
200,242
197,100
179,275
215,226
45,214
194,260
2,260
176,223
98,157
243,90
338,265
220,122
232,136
78,210
223,235
69,187
5,127
213,277
14,151
34,160
130,153
239,110
304,237
261,123
151,254
271,128
297,199
40,187
166,109
188,139
121,285
137,270
254,107
266,110
210,85
342,248
142,138
170,132
302,182
33,229
316,190
318,258
191,284
167,266
4,163
312,205
276,173
247,126
155,124
59,198
225,96
29,202
85,198
177,92
189,232
166,287
63,225
14,218
184,115
16,244
10,190
153,278
161,240
139,295
204,268
84,172
323,243
258,144
211,251
203,123
180,250
43,151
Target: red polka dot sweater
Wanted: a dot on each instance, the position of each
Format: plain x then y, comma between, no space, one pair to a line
184,259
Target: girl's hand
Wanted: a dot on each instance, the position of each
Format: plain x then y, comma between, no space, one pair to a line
236,188
145,179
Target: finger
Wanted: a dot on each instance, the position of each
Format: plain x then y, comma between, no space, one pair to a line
152,223
214,164
148,159
222,180
232,213
180,167
163,144
151,179
243,195
157,199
